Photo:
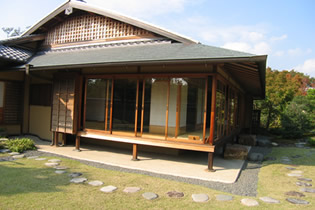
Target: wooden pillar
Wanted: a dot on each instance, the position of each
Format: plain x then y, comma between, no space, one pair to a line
26,104
64,139
136,108
56,139
210,162
135,152
53,139
213,106
77,143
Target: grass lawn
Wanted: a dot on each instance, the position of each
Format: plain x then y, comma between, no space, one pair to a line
29,184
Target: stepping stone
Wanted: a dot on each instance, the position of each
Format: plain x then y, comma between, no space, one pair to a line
96,183
290,168
296,156
14,153
32,157
150,195
200,197
296,172
60,172
54,160
305,179
269,200
4,151
51,164
255,156
294,175
60,167
297,201
78,180
274,144
224,197
249,202
108,189
303,184
131,189
40,159
175,194
18,156
294,193
308,190
75,174
270,158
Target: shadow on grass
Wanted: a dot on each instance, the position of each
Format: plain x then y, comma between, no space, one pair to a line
19,178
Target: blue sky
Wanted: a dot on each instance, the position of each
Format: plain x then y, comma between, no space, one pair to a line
282,29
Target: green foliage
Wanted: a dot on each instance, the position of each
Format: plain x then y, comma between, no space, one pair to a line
20,145
311,141
281,88
296,118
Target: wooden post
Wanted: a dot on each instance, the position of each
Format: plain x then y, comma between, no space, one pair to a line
213,105
53,139
135,152
210,162
142,108
111,109
205,113
64,139
136,111
167,108
106,108
56,139
77,143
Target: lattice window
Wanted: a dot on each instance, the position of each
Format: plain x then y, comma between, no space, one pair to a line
91,27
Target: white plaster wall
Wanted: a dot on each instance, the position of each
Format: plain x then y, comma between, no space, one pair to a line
158,103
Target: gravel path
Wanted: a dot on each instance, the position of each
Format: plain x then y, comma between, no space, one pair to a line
246,185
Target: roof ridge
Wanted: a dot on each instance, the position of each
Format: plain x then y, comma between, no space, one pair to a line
107,44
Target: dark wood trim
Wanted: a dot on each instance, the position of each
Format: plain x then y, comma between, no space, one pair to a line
213,109
147,75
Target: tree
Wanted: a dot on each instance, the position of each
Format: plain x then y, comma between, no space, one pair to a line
281,88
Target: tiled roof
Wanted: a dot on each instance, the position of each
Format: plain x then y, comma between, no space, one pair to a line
130,53
14,54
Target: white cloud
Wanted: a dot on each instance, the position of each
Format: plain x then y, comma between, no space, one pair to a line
279,53
278,38
239,46
295,52
308,67
141,8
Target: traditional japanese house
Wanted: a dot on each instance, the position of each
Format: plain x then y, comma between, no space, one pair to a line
94,74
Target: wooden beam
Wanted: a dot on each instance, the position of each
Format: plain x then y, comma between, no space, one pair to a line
210,162
135,152
213,107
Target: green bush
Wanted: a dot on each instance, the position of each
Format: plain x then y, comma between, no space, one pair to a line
311,141
21,145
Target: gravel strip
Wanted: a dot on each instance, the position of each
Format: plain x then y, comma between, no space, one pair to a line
246,185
